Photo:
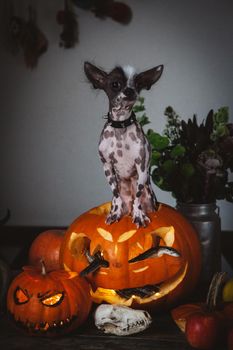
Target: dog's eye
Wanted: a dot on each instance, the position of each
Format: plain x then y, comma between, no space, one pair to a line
116,85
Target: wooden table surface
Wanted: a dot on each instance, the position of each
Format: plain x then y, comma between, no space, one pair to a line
163,334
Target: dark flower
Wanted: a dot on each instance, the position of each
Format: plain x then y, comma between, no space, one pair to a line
210,162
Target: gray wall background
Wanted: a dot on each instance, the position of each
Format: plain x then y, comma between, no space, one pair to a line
51,119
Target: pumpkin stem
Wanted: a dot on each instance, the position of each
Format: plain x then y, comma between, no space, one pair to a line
214,289
43,269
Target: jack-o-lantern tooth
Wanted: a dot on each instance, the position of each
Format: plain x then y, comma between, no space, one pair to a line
142,269
71,274
66,268
139,246
116,249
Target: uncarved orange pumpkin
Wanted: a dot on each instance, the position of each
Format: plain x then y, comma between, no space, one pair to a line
46,246
120,242
48,304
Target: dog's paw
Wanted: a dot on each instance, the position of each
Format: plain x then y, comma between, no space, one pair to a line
140,219
111,218
115,212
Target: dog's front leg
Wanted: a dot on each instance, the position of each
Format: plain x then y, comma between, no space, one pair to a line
139,217
117,204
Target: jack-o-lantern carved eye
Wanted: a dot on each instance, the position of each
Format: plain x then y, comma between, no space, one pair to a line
167,235
21,296
78,244
51,299
137,248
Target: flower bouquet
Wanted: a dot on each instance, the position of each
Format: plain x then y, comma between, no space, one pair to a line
190,159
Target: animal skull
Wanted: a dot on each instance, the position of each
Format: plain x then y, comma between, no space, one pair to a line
121,320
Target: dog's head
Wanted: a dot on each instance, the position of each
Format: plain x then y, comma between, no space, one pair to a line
122,86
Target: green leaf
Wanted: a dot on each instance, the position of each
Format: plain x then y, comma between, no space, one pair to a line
143,120
155,156
220,120
222,115
138,108
222,130
169,111
177,151
187,170
157,141
168,166
141,100
160,181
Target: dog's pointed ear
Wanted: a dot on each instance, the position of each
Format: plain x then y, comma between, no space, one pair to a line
146,79
95,75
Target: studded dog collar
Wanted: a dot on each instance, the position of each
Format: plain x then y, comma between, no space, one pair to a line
123,123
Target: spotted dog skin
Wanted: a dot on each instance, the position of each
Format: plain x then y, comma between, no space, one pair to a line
124,149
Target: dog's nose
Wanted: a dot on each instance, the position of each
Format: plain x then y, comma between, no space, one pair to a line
129,93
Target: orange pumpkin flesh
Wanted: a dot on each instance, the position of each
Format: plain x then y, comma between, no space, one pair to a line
181,313
48,304
120,242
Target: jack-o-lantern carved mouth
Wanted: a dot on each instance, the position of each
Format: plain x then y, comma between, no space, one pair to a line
97,261
142,292
140,295
53,327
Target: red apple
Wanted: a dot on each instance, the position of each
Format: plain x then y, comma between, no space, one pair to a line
228,314
46,247
203,330
230,339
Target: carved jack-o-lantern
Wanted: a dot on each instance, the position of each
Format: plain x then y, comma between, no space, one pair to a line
152,266
48,303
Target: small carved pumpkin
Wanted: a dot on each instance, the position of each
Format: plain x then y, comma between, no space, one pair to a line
48,303
155,265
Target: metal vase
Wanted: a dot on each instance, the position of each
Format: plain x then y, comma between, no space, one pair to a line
205,219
